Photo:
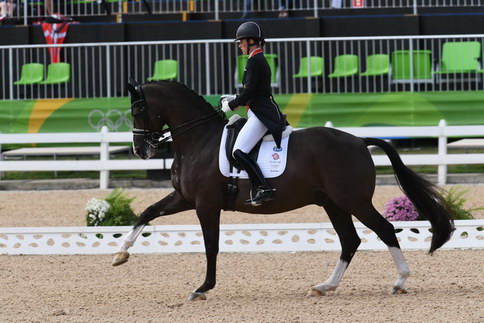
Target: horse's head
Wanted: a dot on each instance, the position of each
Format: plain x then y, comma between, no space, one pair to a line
146,137
155,105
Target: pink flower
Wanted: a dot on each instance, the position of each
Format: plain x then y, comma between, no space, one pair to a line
400,209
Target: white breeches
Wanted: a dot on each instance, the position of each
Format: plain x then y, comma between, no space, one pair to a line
250,134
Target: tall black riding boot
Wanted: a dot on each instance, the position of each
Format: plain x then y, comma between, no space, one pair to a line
264,192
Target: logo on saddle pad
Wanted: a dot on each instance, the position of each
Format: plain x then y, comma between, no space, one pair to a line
271,160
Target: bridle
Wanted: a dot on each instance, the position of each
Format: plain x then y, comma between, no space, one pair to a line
155,138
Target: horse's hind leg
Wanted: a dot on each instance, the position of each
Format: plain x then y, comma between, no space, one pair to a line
349,240
372,219
173,203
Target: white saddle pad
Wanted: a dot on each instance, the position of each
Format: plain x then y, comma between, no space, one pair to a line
271,160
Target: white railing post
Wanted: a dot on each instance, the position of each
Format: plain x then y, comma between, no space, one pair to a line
442,151
216,11
207,67
104,157
26,21
108,70
10,72
315,5
308,54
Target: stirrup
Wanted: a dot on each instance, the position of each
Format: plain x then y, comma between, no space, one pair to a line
261,195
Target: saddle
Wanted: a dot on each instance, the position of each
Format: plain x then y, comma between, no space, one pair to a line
234,126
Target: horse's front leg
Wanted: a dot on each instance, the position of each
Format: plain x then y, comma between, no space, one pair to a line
173,203
210,222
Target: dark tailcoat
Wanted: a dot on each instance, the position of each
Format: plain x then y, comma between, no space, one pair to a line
257,95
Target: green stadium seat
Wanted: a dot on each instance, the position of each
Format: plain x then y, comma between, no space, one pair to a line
401,65
239,71
272,61
315,68
165,70
344,66
377,65
58,73
32,73
460,57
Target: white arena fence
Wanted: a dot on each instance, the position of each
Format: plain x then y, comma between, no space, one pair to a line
210,67
103,164
104,138
36,9
288,237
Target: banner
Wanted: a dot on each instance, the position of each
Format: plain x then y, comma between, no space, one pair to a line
55,34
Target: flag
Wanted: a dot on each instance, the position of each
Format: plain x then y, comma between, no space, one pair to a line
55,34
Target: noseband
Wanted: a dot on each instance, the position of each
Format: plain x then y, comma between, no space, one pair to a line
155,138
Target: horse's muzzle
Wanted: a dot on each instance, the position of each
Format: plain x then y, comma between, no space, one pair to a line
144,152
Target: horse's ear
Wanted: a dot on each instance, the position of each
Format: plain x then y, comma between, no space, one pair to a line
133,82
132,91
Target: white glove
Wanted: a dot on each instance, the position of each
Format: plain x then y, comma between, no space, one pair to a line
229,97
225,105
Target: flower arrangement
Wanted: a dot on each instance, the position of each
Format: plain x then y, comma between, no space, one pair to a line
114,210
96,211
455,201
400,209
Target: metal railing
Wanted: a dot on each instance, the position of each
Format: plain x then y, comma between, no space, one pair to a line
35,9
104,138
211,66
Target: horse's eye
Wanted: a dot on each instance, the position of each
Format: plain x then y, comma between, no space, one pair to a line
135,111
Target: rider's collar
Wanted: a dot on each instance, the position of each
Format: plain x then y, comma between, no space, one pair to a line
255,52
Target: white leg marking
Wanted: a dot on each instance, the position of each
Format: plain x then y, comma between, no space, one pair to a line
402,268
131,238
333,282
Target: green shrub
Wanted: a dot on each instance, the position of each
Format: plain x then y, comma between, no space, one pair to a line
114,210
455,201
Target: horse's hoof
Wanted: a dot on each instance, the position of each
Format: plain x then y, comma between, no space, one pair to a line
314,292
398,290
120,258
197,296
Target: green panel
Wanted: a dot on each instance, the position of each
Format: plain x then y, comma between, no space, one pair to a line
14,116
343,110
87,115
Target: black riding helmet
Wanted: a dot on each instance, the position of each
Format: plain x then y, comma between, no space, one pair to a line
249,30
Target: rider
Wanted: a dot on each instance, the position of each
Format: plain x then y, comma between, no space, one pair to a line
263,114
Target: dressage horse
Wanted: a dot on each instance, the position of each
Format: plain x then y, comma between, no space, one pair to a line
325,166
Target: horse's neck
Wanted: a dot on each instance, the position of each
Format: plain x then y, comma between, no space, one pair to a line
201,137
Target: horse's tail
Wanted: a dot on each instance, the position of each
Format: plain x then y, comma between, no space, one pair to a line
424,195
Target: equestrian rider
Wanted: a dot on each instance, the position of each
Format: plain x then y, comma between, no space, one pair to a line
263,114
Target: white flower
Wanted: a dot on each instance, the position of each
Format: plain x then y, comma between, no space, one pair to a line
96,210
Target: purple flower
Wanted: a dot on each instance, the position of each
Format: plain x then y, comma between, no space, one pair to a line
400,209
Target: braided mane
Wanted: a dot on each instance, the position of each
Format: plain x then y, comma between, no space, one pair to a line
197,97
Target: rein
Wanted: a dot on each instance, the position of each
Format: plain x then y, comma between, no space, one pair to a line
155,139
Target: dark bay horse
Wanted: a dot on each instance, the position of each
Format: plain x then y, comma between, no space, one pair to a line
325,166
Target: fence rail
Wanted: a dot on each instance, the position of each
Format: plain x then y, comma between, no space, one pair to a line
275,237
346,65
103,165
38,9
104,138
